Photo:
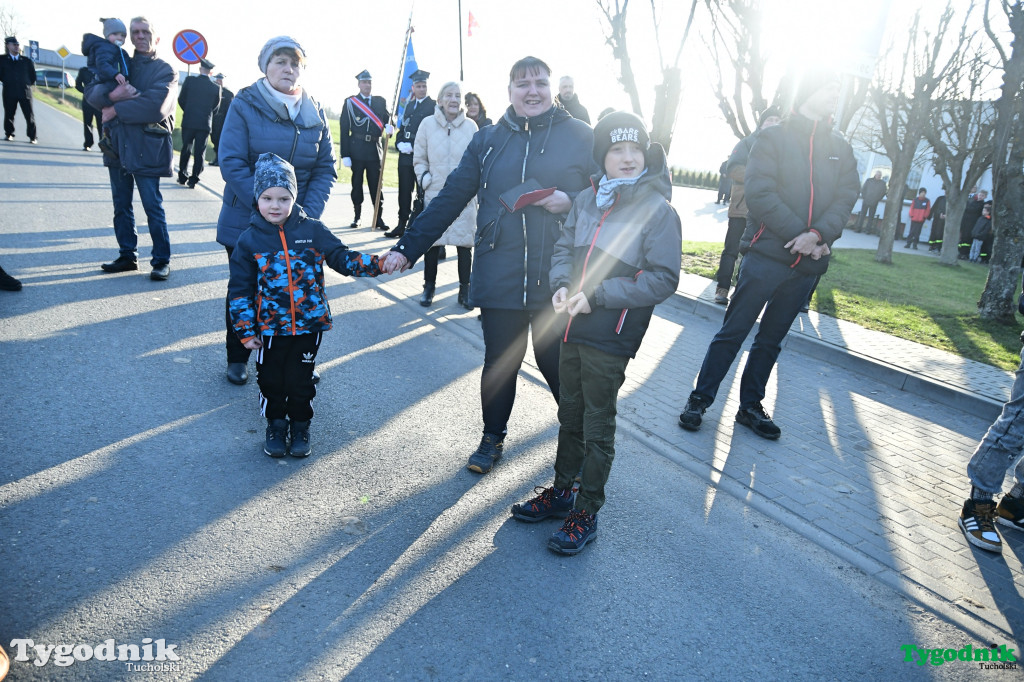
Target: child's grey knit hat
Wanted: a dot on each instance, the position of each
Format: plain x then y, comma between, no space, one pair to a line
273,171
113,26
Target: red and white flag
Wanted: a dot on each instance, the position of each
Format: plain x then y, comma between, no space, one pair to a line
471,25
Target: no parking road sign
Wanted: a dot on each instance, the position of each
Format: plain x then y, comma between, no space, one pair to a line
190,46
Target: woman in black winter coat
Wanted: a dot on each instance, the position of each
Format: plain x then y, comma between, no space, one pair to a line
535,147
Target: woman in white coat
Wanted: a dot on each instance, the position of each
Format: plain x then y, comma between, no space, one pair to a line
440,142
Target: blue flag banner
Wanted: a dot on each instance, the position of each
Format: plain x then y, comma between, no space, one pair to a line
405,91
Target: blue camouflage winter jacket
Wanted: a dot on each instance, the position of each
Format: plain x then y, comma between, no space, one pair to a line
512,256
257,122
276,287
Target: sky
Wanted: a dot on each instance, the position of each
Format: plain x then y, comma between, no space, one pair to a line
343,37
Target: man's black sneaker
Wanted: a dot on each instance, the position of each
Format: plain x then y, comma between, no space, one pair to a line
977,522
8,283
121,264
487,455
160,272
548,502
690,418
577,530
300,445
759,421
1010,512
277,438
182,178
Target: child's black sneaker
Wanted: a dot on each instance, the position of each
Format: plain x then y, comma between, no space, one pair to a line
1010,512
277,438
548,502
487,454
577,530
300,445
976,521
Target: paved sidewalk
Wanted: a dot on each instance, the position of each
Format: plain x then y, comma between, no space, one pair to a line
877,432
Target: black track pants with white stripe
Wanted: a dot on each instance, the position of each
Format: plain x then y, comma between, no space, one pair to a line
284,372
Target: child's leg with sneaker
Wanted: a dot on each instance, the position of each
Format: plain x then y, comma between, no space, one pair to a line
1001,447
559,499
270,372
301,390
600,376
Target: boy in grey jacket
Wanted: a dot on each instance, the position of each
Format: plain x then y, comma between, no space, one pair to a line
617,257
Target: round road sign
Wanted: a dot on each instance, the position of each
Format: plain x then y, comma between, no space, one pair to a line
190,46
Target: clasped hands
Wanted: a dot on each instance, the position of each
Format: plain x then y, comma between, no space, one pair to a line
807,245
391,262
574,305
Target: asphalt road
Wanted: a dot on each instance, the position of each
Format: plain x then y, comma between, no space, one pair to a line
135,503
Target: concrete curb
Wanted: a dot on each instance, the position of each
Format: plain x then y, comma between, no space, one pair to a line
892,375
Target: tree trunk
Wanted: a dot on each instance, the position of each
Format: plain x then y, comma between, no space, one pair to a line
893,211
955,205
999,300
666,104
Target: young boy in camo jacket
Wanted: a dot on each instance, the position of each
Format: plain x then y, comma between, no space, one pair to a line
278,303
619,255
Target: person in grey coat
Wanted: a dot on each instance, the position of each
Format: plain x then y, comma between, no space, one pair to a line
274,114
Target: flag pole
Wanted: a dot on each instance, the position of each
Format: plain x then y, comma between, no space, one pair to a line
462,76
387,138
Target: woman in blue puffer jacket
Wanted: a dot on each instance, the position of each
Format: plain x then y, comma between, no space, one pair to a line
275,115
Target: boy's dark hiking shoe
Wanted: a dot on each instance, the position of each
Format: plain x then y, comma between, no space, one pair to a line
487,454
577,530
693,413
277,438
300,445
977,522
1010,512
548,502
759,421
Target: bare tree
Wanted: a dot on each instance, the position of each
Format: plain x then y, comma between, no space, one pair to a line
615,13
736,42
998,301
902,109
9,21
961,137
667,94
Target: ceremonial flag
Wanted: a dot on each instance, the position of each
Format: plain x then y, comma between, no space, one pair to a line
471,25
405,91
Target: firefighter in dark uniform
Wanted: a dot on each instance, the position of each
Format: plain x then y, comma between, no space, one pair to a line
360,143
198,98
18,75
90,116
219,114
418,107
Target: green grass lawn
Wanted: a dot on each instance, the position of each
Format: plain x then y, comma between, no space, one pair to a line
915,298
